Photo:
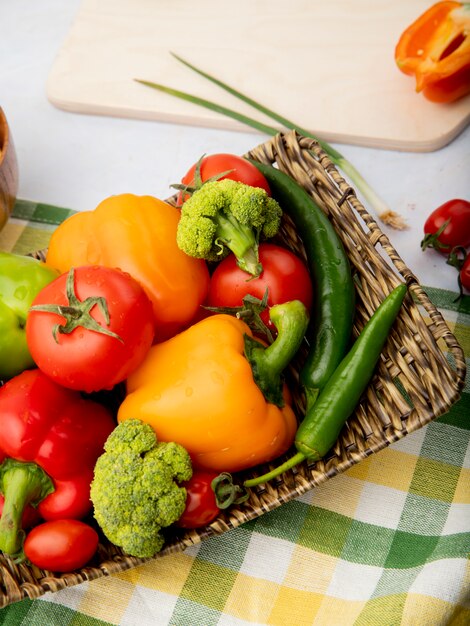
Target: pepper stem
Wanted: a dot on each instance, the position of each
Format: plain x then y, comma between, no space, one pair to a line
277,471
311,395
227,492
268,363
21,484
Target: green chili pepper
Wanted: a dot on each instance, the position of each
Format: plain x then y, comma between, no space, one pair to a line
322,424
330,330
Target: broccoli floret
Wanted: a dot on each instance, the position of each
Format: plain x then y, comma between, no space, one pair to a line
135,490
226,215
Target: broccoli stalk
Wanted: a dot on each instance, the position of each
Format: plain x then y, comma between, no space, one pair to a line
21,484
135,490
228,216
241,240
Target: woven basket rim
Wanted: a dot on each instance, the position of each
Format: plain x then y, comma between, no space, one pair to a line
389,410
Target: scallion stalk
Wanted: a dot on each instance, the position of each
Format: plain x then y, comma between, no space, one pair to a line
380,207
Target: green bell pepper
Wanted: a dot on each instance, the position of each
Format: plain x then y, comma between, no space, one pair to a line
21,278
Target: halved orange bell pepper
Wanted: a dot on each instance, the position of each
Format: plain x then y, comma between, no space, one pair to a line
218,392
138,235
436,50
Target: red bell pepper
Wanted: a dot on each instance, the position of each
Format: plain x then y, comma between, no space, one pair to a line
50,439
435,49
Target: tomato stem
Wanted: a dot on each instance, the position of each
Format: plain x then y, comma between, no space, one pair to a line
197,183
431,240
249,312
77,312
457,257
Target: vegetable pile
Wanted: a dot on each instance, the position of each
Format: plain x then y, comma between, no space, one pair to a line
146,364
224,216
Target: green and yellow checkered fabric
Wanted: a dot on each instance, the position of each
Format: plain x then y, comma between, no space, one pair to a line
385,543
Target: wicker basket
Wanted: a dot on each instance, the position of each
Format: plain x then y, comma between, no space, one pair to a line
414,383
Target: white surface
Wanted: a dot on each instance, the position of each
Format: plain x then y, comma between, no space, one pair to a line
339,65
77,160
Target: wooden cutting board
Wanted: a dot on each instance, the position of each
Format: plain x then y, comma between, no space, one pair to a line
329,66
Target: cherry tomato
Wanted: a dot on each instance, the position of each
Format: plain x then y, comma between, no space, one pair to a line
86,358
238,169
201,507
284,275
465,273
61,545
453,220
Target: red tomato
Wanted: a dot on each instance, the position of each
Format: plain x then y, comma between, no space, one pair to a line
62,545
457,231
71,498
201,507
465,273
284,275
238,169
85,359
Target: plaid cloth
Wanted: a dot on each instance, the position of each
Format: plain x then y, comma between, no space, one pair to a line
387,542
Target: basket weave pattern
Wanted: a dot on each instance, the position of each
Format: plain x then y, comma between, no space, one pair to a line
414,383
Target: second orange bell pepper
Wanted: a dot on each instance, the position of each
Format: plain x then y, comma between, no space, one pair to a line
435,49
218,392
138,235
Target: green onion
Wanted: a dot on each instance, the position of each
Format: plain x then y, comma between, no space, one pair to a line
269,130
392,219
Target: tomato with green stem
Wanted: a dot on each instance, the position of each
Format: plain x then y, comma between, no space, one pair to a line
201,506
465,274
90,328
217,167
448,226
285,277
460,259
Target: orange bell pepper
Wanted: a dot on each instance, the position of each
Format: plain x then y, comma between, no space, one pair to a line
218,392
436,50
138,235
